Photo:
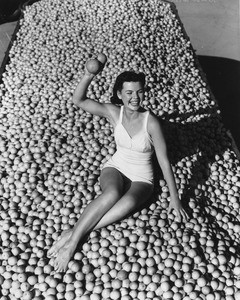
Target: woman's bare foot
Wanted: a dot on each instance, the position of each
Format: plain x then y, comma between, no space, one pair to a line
65,236
64,255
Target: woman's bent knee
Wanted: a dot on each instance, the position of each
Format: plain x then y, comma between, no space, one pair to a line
111,196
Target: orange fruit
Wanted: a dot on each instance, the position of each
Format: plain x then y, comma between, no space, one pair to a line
93,66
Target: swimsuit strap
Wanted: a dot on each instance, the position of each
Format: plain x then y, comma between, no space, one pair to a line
121,114
146,120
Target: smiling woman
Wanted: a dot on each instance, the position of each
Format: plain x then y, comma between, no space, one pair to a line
134,144
125,78
127,178
132,94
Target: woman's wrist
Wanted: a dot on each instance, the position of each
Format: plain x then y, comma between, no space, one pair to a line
175,198
88,75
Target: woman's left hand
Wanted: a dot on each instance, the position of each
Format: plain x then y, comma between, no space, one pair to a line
177,207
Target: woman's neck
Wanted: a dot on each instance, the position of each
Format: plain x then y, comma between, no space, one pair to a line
131,114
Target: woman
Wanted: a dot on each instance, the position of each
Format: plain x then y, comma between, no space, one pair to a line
127,178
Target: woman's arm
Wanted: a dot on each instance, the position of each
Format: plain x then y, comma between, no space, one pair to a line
80,98
155,130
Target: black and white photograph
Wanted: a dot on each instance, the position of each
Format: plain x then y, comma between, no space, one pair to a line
119,150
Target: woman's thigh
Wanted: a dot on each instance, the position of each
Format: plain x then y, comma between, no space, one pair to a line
138,192
111,180
131,200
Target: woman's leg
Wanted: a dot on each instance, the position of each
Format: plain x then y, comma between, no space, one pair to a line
137,194
112,190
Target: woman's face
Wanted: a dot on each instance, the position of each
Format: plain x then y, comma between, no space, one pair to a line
132,94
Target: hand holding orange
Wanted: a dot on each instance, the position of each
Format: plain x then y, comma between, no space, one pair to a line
95,65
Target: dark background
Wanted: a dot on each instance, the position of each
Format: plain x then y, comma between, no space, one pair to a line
10,10
223,76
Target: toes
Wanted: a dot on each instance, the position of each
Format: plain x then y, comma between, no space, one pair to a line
51,252
60,266
59,263
56,265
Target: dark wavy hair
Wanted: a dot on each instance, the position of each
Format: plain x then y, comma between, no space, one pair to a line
127,76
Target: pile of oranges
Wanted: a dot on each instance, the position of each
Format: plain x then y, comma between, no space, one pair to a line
51,154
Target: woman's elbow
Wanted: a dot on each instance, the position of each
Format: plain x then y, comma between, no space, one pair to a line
76,101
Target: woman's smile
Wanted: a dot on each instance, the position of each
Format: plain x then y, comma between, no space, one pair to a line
132,94
134,103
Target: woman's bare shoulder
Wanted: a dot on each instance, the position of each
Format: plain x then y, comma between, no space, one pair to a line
154,123
153,119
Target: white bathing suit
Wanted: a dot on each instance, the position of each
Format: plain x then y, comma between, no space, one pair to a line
133,157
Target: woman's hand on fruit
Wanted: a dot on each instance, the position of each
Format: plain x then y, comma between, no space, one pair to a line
95,65
176,206
87,73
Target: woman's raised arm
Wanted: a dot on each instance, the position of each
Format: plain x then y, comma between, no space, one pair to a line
80,95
